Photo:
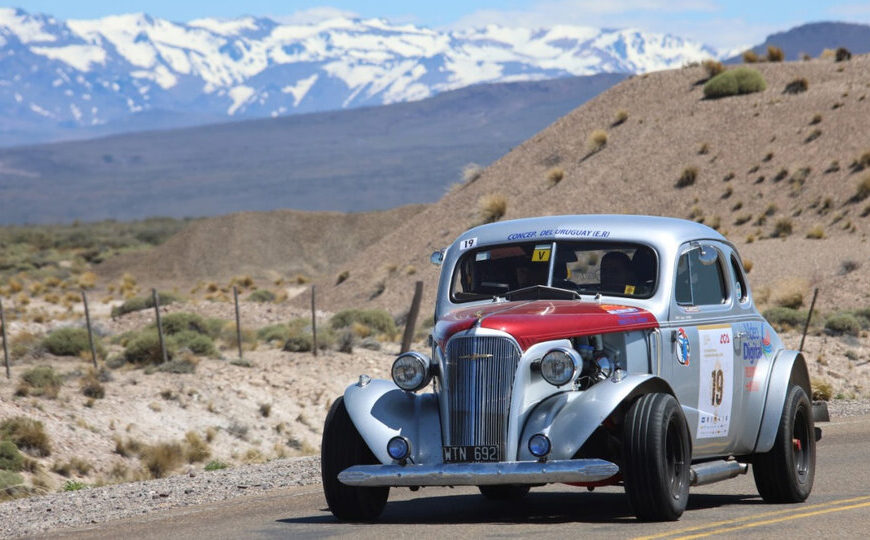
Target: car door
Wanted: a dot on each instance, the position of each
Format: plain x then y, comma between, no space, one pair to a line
703,372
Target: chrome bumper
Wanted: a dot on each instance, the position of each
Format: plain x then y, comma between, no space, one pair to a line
479,474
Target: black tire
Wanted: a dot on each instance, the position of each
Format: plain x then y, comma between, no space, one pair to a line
785,474
509,492
342,447
656,458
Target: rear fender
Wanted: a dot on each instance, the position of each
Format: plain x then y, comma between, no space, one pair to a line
789,367
380,410
569,418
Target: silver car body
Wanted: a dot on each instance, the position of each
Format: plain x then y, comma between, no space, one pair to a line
672,357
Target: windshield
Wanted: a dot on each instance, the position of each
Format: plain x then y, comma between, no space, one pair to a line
611,268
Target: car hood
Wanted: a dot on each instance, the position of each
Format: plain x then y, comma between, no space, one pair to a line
544,320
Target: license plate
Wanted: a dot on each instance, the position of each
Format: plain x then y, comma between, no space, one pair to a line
466,454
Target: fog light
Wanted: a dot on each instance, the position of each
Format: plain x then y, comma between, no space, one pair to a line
399,448
539,445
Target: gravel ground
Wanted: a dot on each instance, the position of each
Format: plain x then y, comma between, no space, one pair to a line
78,508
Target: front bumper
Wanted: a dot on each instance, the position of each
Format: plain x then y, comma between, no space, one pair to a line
479,474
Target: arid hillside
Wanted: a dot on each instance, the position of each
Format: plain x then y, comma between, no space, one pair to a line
777,172
281,243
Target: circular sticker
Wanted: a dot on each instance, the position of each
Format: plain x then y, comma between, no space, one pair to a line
682,347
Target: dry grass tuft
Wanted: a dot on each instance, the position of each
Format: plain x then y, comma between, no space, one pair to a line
797,86
492,207
816,233
597,140
750,57
195,449
555,175
789,293
471,173
782,228
862,190
619,118
162,458
687,177
775,54
27,434
712,67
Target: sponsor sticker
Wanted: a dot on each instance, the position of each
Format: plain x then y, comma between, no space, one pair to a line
468,243
541,253
616,310
716,359
683,352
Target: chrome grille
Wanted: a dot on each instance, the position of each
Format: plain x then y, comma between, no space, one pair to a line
478,379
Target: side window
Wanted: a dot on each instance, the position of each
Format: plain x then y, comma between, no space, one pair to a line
740,286
700,281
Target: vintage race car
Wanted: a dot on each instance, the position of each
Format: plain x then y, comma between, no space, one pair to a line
588,350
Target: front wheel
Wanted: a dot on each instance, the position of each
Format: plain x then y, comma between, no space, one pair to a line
656,458
342,447
785,474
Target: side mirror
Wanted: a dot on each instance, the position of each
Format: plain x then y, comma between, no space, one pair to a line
437,257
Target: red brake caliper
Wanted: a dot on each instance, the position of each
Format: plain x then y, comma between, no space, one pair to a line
797,444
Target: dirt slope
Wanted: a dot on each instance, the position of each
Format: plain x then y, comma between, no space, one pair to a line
282,242
749,140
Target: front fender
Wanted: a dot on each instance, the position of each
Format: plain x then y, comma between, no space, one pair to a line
569,418
380,410
789,367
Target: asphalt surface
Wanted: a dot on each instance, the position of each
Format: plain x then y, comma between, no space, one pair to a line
839,506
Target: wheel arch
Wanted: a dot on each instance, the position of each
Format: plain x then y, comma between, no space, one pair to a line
789,368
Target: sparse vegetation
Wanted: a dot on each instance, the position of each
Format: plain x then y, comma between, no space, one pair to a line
712,67
816,233
139,303
144,348
342,277
862,189
797,86
848,266
789,293
492,207
816,119
40,381
784,318
92,387
27,434
775,54
687,177
215,465
822,391
262,295
471,173
619,118
596,140
750,57
843,323
10,458
70,341
74,485
782,228
162,458
195,449
814,134
842,55
741,80
555,175
380,321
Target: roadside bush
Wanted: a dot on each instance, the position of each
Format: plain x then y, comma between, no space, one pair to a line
782,228
597,140
144,348
92,387
783,318
162,458
342,277
138,303
712,67
377,319
27,434
790,293
70,341
492,207
10,458
195,449
741,80
775,54
843,323
687,177
40,381
797,86
299,343
750,57
262,295
215,465
843,54
176,323
8,480
822,391
274,333
184,363
199,344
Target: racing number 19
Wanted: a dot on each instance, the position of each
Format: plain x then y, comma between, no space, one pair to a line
718,387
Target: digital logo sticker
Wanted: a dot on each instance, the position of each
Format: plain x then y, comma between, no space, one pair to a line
682,347
766,344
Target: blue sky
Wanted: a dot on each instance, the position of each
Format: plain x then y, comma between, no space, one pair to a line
720,23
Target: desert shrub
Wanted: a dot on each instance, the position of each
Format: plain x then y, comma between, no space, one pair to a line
750,57
687,177
176,323
789,293
199,344
704,149
70,341
596,140
843,54
712,67
862,190
619,118
230,336
265,409
27,434
843,323
74,465
144,348
138,303
492,207
555,175
299,343
10,458
25,344
92,387
274,333
40,381
848,266
797,86
160,459
816,119
775,54
74,485
345,340
822,391
816,233
215,465
184,363
741,80
9,480
782,228
783,318
377,319
262,295
195,449
87,280
342,277
471,173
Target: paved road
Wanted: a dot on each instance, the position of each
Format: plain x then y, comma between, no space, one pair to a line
838,507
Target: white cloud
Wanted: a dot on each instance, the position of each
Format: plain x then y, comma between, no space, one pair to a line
315,15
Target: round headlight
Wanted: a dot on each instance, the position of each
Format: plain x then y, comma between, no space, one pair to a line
398,448
411,371
559,366
539,445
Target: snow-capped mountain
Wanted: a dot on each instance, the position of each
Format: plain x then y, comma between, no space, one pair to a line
77,73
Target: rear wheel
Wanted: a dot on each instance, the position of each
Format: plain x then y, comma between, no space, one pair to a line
657,456
342,447
504,492
785,474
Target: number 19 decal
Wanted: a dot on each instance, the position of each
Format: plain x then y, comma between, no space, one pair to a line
718,387
468,244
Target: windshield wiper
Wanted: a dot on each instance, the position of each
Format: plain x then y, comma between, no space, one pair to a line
541,292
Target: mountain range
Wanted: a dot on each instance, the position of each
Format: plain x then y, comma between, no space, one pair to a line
81,78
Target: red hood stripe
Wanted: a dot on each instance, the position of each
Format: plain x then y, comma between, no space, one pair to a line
544,320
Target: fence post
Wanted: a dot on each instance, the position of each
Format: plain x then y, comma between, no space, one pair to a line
238,320
313,321
5,347
408,336
809,316
156,302
90,330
